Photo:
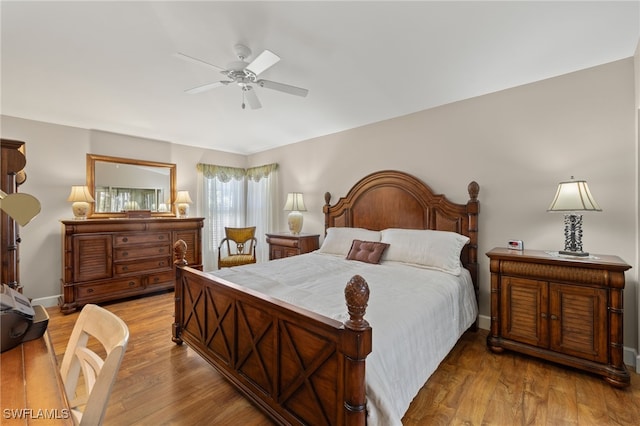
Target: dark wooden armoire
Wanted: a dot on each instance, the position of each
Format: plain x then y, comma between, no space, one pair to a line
13,160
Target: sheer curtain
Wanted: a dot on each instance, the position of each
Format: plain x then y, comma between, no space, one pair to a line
262,184
236,197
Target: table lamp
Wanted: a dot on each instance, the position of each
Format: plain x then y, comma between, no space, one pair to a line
295,205
80,197
572,197
182,201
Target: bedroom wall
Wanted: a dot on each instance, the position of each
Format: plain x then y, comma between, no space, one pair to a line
517,144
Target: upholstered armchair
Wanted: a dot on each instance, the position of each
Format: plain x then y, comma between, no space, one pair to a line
238,247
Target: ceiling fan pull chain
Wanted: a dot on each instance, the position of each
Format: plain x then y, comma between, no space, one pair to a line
243,98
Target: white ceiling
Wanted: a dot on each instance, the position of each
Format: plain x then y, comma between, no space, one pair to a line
111,65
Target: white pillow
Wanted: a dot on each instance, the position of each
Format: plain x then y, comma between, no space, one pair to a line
424,247
339,240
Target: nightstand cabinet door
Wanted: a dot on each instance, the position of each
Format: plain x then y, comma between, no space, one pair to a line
524,317
578,319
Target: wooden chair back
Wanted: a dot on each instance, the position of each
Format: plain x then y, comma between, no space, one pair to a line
98,365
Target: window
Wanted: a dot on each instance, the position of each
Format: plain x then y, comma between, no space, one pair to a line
236,197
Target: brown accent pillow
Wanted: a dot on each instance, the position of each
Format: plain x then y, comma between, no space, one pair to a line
366,251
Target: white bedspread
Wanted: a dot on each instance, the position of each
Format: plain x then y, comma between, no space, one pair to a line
417,316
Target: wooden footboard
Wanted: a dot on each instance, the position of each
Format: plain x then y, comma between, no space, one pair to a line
298,366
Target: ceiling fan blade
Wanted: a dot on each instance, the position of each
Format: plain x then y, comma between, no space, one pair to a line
197,61
265,60
252,97
281,87
206,87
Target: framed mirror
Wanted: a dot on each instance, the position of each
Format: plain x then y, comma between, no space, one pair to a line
121,185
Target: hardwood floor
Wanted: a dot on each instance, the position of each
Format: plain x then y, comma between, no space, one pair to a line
160,383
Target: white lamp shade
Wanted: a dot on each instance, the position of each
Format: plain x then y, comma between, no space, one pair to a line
80,193
573,196
295,202
183,197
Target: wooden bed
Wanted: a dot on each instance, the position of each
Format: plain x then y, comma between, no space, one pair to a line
297,366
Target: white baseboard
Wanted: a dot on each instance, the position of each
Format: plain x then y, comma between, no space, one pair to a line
630,356
484,322
48,301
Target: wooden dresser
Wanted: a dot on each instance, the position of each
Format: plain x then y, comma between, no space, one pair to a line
12,163
563,309
108,259
286,245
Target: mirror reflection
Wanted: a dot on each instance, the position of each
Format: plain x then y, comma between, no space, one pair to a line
121,184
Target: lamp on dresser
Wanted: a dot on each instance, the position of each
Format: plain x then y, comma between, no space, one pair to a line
182,201
295,205
80,197
572,197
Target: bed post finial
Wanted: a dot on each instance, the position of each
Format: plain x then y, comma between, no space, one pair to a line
473,189
357,295
180,253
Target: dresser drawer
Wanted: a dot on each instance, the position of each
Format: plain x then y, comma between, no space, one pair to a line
130,239
126,253
161,279
88,291
143,265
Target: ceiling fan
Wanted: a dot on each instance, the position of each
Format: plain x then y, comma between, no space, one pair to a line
245,74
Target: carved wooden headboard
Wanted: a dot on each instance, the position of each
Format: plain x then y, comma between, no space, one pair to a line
394,199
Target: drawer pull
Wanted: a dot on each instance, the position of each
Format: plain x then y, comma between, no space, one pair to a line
89,290
554,317
543,315
125,239
132,283
156,279
161,237
125,268
160,263
125,254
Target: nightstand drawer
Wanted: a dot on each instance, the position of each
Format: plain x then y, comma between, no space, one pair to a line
287,245
283,242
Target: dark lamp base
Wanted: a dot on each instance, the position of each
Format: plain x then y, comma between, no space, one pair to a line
574,253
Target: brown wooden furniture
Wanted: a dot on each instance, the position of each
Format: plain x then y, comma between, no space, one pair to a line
107,259
12,162
32,389
286,245
563,309
298,366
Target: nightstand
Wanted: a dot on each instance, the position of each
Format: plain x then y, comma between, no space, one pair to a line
286,245
563,309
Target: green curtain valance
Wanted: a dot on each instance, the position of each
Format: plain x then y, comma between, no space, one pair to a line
225,173
257,173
